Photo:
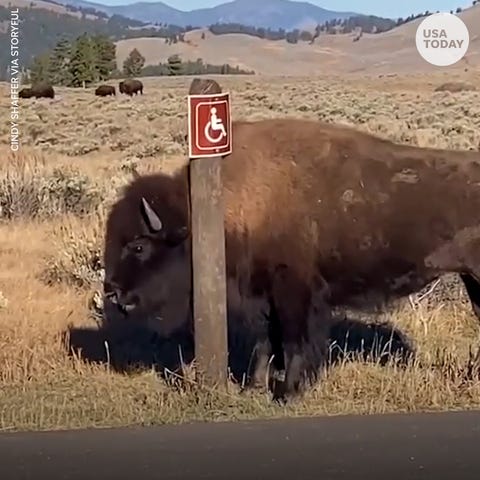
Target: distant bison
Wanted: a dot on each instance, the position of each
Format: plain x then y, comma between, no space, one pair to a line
25,93
130,86
105,90
455,87
38,90
316,216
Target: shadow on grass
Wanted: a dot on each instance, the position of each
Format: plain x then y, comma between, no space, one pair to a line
355,340
126,347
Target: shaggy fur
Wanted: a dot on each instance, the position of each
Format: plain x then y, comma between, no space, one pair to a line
130,86
38,91
316,215
105,90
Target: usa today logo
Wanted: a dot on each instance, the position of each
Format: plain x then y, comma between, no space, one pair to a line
442,39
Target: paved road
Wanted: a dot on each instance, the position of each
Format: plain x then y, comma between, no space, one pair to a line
403,447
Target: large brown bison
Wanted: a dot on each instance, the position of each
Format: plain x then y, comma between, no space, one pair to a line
316,216
38,90
130,86
105,90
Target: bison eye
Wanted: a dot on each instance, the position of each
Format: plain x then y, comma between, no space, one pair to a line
138,249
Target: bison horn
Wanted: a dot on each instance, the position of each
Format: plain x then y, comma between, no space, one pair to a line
154,222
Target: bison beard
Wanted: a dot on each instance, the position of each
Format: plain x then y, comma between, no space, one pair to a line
316,216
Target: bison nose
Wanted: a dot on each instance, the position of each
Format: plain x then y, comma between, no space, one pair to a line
112,296
111,291
126,302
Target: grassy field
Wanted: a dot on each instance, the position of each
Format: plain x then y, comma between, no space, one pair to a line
77,150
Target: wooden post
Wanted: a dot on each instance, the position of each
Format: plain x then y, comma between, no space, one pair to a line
208,260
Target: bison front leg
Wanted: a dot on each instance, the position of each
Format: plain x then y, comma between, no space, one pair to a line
260,377
472,286
270,364
303,318
473,291
461,255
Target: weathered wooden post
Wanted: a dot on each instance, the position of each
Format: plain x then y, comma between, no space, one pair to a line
209,138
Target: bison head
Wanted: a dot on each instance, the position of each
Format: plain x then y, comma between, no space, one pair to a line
25,93
150,276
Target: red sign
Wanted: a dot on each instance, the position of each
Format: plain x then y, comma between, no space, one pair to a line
209,125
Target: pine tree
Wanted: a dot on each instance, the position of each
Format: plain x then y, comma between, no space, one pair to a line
105,51
174,65
82,62
59,71
40,70
133,64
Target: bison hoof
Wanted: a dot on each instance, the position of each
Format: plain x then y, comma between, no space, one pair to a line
283,395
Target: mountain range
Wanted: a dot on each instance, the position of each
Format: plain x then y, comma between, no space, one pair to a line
272,14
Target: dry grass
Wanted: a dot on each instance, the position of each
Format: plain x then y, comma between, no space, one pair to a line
455,87
78,150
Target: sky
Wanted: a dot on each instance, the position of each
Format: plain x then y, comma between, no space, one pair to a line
383,8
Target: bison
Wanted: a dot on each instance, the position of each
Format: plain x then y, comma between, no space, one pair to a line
38,90
130,86
25,93
105,90
317,216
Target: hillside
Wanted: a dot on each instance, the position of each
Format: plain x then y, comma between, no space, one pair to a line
51,7
266,13
45,23
389,52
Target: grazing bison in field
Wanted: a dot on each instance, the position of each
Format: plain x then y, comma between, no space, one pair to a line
38,90
105,90
25,93
131,86
316,216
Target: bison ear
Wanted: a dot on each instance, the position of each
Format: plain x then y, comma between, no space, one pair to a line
154,224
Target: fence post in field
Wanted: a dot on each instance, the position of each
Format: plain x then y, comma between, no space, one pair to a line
209,138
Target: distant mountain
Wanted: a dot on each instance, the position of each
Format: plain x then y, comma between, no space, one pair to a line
272,14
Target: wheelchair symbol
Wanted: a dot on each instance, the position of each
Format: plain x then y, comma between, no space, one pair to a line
214,129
